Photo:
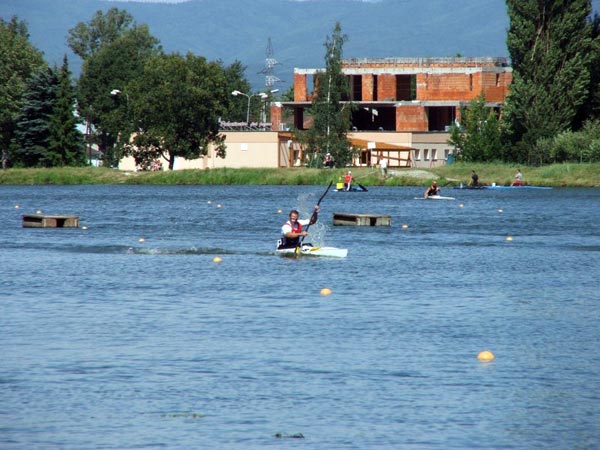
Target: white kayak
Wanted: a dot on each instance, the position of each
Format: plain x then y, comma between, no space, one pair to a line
307,250
435,197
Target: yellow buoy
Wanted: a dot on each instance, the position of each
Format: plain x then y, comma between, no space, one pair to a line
485,355
509,238
216,259
405,226
141,240
210,202
325,291
279,211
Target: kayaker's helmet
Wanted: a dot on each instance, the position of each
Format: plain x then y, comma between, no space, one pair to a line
350,172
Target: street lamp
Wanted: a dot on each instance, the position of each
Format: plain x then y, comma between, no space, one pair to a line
266,104
117,92
262,95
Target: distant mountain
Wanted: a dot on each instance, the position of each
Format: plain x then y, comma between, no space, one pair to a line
239,30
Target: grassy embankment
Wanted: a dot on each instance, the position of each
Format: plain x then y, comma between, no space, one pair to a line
556,175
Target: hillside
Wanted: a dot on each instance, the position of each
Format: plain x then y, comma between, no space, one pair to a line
232,30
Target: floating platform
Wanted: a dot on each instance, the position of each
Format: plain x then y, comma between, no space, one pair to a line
44,221
362,220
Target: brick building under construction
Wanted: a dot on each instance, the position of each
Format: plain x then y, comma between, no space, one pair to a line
404,105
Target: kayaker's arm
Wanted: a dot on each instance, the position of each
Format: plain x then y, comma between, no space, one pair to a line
292,235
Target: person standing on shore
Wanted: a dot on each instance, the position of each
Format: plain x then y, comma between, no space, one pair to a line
474,179
383,166
4,159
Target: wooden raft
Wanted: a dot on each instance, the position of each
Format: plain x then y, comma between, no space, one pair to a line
362,220
43,221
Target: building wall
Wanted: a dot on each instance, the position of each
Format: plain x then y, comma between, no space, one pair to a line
411,118
430,149
252,149
386,87
452,81
453,86
367,88
300,91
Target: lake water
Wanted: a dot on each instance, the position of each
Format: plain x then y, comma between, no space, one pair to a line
107,342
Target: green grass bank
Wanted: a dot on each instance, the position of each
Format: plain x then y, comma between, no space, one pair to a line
556,175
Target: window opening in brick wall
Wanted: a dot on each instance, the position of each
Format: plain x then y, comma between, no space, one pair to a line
440,117
406,87
356,81
375,87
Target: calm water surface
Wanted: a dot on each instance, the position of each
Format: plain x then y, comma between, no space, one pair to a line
107,342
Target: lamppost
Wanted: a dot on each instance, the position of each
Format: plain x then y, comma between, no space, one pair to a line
265,104
116,93
262,95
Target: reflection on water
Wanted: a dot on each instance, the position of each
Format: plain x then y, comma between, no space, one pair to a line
127,334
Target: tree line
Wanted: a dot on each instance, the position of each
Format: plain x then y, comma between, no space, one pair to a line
552,113
135,99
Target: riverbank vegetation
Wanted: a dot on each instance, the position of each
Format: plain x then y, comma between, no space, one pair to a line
555,175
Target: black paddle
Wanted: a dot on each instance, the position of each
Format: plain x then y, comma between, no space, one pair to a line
313,217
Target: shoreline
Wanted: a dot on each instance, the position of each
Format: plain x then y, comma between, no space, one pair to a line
555,175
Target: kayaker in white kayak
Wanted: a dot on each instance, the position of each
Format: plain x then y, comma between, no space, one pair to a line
292,231
432,190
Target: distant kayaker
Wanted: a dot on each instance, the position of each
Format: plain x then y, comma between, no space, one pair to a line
432,190
518,179
474,179
292,231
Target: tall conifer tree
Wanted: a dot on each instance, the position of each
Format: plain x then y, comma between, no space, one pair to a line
32,133
549,42
66,143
